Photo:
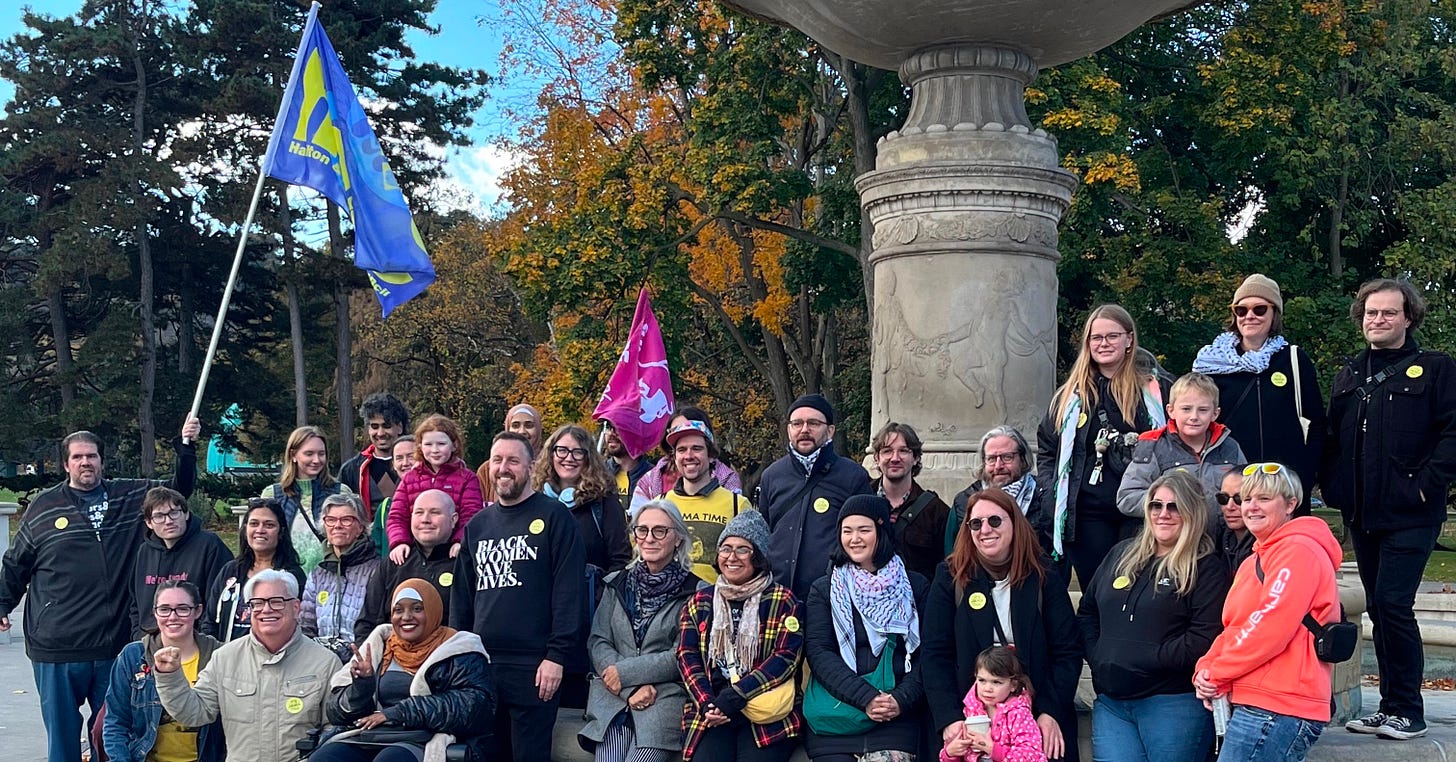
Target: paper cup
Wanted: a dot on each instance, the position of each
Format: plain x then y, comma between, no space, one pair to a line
978,724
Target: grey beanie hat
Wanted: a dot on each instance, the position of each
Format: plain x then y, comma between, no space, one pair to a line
751,526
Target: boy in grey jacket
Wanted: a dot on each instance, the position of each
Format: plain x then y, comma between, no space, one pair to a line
1191,441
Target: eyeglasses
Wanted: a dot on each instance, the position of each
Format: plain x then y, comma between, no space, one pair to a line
812,423
569,453
742,551
272,604
1008,457
172,515
1259,310
1223,498
657,533
183,611
1106,338
339,521
1158,506
1271,468
994,521
1387,314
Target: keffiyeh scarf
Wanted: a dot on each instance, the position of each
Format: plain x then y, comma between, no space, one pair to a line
884,601
1223,356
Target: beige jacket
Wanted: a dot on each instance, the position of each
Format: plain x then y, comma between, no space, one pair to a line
267,701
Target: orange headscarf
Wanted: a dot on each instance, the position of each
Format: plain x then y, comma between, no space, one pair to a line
412,656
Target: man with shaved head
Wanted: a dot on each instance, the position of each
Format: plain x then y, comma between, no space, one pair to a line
432,520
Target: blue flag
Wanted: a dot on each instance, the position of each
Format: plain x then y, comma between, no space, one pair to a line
322,140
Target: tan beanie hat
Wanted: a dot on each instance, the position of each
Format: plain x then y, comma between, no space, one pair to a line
1262,286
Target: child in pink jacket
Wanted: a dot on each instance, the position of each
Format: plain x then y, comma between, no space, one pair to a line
1003,693
438,444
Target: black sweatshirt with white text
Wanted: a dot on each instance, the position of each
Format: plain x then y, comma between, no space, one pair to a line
520,581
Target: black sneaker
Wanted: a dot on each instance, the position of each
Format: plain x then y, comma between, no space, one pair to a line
1401,728
1370,723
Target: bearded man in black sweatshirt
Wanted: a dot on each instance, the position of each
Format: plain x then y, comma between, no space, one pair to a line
519,584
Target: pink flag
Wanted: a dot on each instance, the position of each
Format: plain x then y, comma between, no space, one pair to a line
638,397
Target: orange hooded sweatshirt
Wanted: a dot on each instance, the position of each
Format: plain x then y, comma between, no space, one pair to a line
1265,655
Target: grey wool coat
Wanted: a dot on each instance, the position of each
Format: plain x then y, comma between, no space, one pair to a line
653,663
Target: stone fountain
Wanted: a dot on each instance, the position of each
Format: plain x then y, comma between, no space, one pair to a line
965,201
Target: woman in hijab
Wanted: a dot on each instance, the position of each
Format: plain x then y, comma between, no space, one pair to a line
414,688
739,643
634,711
864,612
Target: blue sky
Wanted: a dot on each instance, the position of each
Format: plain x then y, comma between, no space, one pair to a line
468,38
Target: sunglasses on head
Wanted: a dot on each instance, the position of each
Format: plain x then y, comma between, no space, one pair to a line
1158,506
1270,468
1224,498
1259,310
993,521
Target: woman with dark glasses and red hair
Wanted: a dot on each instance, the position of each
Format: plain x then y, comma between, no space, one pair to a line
994,590
1266,385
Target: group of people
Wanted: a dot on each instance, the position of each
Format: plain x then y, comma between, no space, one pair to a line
415,608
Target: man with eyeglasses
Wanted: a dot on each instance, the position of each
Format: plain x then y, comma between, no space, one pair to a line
800,495
71,559
268,688
432,522
520,585
1388,466
706,506
176,548
1006,463
917,515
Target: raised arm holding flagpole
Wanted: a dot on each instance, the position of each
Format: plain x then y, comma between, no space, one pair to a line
322,140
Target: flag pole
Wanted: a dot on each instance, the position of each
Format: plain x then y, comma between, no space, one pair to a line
227,292
227,296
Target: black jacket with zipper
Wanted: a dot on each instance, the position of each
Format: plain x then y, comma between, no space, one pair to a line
1390,460
77,580
1144,639
1259,410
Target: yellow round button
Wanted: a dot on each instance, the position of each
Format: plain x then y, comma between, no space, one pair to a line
294,705
1278,379
62,522
538,526
323,597
1415,371
821,505
1081,420
1121,583
791,624
447,579
977,601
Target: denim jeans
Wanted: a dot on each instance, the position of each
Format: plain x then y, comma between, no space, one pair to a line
63,687
1257,734
1165,728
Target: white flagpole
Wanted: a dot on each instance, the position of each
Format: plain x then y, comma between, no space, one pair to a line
227,292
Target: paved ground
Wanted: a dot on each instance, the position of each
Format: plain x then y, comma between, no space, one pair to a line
24,736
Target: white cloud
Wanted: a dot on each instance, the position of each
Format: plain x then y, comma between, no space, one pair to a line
472,179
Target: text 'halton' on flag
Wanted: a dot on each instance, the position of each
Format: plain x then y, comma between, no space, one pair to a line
322,140
638,398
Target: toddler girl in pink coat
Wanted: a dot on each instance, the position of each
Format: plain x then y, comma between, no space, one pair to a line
1002,693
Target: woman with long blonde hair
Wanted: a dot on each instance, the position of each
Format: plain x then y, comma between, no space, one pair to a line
1114,392
301,489
1147,616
